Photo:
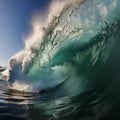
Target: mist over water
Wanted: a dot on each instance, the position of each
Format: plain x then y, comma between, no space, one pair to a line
70,67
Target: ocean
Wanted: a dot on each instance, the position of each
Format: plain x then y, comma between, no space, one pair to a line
72,72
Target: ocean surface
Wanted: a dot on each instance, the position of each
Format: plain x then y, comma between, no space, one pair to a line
75,72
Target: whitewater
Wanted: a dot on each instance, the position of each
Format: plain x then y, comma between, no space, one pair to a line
70,66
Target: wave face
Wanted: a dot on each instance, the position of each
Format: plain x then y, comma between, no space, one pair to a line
76,48
72,59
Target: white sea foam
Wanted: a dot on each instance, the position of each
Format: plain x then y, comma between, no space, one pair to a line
41,26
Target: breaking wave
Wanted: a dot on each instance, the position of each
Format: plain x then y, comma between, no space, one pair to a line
77,45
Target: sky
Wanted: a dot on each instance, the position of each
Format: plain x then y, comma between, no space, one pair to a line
15,18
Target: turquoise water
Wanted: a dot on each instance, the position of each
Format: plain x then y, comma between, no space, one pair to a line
75,73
